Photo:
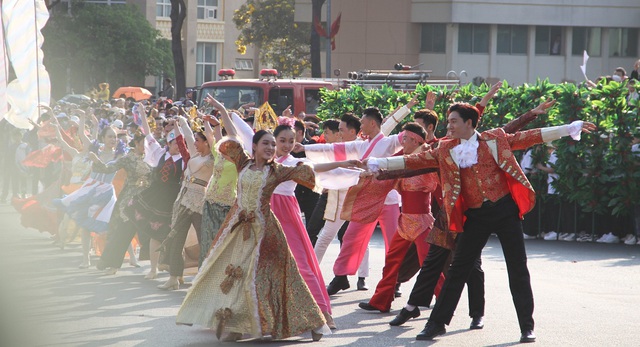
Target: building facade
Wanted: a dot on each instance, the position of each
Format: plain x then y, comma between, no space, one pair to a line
208,39
516,40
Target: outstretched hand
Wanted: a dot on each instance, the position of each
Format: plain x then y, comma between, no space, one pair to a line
297,148
211,119
213,102
413,101
287,112
491,93
543,107
588,127
430,100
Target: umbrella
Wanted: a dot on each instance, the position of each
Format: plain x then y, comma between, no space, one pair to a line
137,93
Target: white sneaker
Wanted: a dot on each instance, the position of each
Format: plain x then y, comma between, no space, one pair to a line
528,237
569,237
611,239
630,240
602,238
552,235
562,236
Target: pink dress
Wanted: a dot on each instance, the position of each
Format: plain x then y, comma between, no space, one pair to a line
285,207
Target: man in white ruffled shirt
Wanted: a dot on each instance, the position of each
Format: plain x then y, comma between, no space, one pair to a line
485,192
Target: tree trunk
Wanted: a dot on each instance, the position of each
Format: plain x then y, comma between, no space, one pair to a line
316,12
178,15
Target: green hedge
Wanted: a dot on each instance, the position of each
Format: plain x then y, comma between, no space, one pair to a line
600,174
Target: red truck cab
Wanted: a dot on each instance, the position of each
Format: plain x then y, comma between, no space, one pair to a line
302,95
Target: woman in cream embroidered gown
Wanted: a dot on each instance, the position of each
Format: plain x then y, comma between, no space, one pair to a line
249,283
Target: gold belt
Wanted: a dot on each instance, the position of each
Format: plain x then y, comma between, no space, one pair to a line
197,181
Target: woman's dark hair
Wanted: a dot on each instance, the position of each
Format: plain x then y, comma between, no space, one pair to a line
201,135
259,134
281,128
351,121
103,132
466,112
137,137
331,124
416,129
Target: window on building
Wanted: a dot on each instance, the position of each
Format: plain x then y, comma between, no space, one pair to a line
586,39
163,8
549,40
512,39
244,64
206,62
433,38
473,38
208,9
623,42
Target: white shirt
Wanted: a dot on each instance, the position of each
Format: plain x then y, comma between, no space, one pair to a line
386,146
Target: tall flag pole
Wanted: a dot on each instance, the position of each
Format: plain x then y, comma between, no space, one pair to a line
22,22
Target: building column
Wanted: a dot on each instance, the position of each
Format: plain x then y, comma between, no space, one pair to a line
189,43
568,51
531,51
604,53
451,48
493,50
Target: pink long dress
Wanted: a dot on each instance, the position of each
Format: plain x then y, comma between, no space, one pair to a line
286,209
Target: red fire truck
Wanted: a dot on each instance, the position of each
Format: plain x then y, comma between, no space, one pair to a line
302,95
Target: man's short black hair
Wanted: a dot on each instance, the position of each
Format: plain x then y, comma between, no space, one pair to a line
466,112
427,116
374,113
351,121
299,126
331,124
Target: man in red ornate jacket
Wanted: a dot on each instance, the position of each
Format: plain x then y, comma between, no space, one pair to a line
485,191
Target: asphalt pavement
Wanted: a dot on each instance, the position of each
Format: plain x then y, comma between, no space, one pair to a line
586,294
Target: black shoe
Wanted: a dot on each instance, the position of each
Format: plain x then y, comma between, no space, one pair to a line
368,307
476,323
430,331
337,284
101,265
527,336
398,292
404,316
361,284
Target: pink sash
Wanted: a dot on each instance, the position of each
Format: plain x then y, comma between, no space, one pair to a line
372,146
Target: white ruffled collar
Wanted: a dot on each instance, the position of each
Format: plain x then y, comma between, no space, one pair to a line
466,153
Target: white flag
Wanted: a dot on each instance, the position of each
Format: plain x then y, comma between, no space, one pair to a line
23,21
583,67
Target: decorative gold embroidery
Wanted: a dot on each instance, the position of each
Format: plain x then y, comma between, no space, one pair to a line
233,274
222,315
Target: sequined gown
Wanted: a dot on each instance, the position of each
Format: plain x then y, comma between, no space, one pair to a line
249,283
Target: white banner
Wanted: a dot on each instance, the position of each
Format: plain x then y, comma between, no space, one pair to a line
22,21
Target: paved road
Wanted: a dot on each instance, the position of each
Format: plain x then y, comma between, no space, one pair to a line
586,294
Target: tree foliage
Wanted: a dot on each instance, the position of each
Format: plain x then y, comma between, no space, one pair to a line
99,43
269,25
600,172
